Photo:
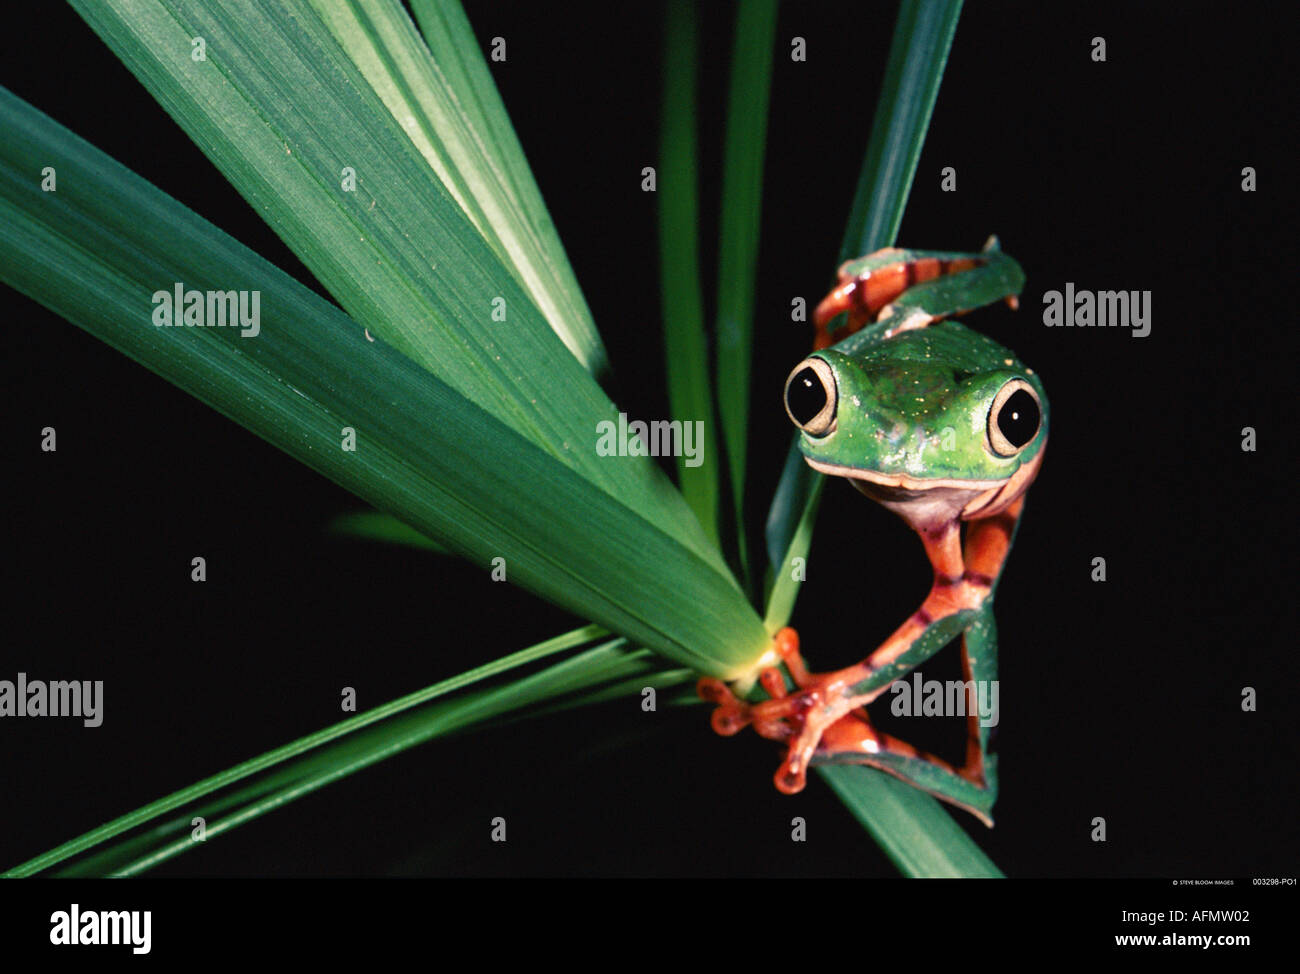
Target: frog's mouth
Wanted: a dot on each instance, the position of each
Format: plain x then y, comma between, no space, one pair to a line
927,502
923,503
900,484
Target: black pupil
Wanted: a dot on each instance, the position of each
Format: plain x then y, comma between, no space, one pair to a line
805,395
1018,418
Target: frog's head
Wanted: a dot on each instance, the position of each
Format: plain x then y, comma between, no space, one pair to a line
935,416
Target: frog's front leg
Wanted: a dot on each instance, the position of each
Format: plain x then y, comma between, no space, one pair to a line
963,584
914,288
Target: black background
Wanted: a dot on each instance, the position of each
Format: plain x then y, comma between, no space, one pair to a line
1119,699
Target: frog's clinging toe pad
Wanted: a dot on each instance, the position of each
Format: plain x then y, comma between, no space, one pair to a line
731,716
790,778
714,690
773,682
787,647
728,720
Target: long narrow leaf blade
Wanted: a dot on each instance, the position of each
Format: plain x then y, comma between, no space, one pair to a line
788,575
376,526
689,395
919,837
398,253
742,207
608,669
445,100
310,743
95,252
380,743
917,57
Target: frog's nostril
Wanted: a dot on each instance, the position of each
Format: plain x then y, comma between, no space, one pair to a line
810,397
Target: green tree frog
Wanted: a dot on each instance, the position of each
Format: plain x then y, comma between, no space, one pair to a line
946,428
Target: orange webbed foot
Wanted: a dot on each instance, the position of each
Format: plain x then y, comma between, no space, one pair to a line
798,717
733,715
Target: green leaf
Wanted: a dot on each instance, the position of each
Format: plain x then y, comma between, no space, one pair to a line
381,717
469,143
689,396
95,252
787,576
742,207
609,670
606,671
922,37
375,526
917,834
399,254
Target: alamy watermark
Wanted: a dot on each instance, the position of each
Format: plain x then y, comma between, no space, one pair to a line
56,698
1098,309
945,698
208,309
129,928
659,438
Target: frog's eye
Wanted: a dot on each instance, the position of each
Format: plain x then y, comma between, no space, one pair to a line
810,397
1014,418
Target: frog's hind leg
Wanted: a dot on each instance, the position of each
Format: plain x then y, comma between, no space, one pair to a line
963,584
853,740
819,700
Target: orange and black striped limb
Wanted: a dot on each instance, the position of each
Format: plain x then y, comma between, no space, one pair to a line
963,578
864,295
